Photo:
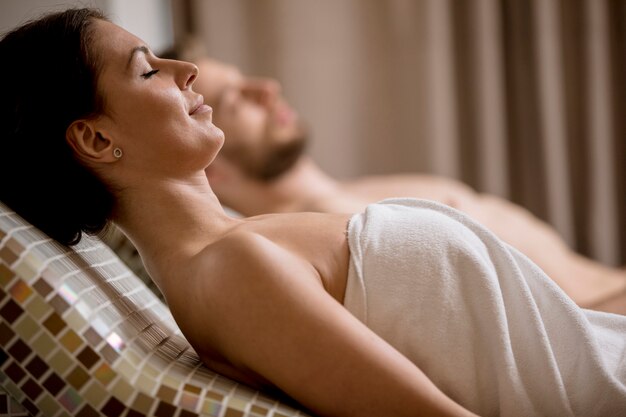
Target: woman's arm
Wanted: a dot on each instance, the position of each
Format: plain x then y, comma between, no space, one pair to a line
267,313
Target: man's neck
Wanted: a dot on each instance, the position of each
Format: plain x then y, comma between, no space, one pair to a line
296,190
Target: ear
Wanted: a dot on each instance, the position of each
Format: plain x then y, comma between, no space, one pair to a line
88,143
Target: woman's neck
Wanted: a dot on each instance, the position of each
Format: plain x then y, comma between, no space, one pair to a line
170,220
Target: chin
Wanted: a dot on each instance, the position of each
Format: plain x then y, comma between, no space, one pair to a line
216,134
281,159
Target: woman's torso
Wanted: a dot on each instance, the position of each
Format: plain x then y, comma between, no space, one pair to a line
315,243
317,239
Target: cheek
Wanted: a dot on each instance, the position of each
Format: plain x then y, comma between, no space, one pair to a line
146,129
152,113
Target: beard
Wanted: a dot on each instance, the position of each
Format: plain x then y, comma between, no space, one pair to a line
279,159
272,161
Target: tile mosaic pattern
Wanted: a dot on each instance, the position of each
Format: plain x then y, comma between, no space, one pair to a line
9,407
82,335
127,252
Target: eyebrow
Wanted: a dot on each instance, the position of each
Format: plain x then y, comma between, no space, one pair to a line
135,50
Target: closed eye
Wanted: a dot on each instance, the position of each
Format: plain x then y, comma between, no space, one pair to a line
149,73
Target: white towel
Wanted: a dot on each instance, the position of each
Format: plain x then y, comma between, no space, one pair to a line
487,325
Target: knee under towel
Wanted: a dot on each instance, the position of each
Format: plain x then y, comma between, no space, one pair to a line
487,326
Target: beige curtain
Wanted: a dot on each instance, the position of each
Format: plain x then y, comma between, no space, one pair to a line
525,99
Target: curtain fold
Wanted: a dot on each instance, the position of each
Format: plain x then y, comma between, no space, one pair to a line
520,98
617,42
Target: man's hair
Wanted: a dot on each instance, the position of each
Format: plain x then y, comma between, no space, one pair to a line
188,48
48,79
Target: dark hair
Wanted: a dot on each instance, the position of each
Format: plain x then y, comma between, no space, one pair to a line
48,80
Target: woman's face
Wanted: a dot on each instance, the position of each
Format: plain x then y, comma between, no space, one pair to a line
150,109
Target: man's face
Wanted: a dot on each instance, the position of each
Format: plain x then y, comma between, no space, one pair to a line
264,136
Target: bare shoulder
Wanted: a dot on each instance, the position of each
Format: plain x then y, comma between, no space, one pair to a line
241,264
249,252
223,285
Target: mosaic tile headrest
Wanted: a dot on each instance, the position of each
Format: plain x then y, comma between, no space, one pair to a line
81,335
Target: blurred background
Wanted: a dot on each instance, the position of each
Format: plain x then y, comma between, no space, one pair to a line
525,99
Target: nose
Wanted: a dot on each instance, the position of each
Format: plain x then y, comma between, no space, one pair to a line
187,73
264,91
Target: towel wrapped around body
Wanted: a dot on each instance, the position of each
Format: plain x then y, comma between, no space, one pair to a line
486,325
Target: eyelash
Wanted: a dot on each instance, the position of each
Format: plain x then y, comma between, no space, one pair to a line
149,74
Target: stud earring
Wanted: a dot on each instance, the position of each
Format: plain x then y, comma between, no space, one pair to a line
117,152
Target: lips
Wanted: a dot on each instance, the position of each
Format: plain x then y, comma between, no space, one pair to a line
199,106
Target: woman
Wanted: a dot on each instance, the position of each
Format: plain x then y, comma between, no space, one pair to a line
457,322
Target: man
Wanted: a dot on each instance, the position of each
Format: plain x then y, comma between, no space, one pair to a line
262,169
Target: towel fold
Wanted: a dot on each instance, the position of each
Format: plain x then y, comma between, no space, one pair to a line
487,325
